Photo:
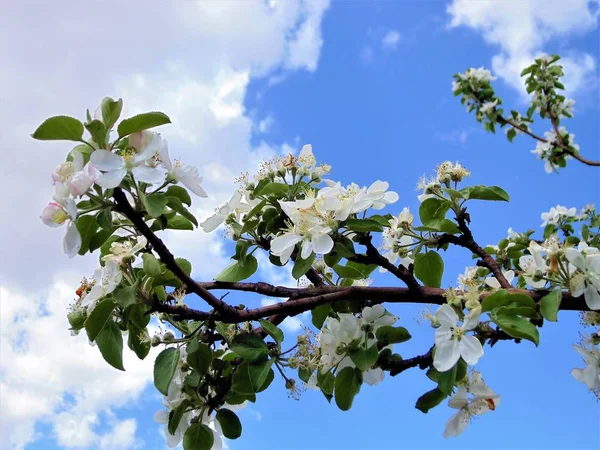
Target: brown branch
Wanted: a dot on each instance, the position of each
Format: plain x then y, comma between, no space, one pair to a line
560,144
167,257
467,241
305,299
395,367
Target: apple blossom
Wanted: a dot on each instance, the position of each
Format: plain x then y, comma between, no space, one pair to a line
105,281
586,280
73,177
481,400
55,214
124,251
116,166
495,284
451,341
591,374
187,175
222,213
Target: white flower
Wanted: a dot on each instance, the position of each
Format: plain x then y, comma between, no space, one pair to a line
482,400
377,316
557,213
336,334
55,214
455,86
125,250
73,177
222,213
495,284
106,280
187,175
116,166
451,341
376,197
591,374
513,234
306,228
488,106
480,74
587,280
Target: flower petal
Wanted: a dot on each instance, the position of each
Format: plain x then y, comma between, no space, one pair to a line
447,316
446,355
72,240
112,179
470,349
105,160
322,244
147,174
283,242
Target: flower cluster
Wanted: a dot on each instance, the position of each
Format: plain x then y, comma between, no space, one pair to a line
554,155
346,333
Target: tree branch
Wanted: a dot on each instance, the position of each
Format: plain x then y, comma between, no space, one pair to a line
167,257
467,241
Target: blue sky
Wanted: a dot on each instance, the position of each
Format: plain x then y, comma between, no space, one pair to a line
376,111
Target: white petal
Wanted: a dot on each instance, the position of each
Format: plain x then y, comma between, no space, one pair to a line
147,174
446,355
592,297
576,258
373,376
307,249
492,282
457,424
447,316
391,197
443,334
212,222
72,240
472,319
371,314
112,179
322,244
284,242
105,160
470,349
459,399
161,416
77,161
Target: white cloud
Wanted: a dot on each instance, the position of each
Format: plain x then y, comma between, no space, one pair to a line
522,29
194,61
390,40
366,54
265,124
121,436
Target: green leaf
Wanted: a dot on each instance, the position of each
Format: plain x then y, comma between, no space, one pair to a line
430,400
502,298
447,379
388,334
268,381
347,385
155,204
176,415
250,347
517,327
180,192
87,226
259,372
230,423
319,314
104,219
151,265
111,111
272,330
177,205
511,134
198,437
432,211
164,369
550,304
364,358
365,270
238,271
141,349
125,295
382,220
110,344
447,226
326,382
97,131
241,382
480,192
98,318
199,357
272,188
59,128
429,268
348,272
301,266
364,225
185,265
142,122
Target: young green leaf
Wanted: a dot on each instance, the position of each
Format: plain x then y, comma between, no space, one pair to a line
272,330
347,385
429,268
238,271
59,128
230,423
110,343
164,369
98,318
198,437
550,304
142,122
250,347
